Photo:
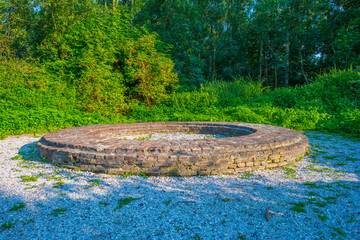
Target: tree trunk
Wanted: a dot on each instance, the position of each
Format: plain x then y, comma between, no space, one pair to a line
210,65
276,80
260,58
334,60
266,66
287,59
302,65
214,63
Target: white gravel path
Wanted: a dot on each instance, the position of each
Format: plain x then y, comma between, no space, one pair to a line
316,198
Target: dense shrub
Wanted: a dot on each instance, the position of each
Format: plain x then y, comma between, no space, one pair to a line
331,103
34,100
111,64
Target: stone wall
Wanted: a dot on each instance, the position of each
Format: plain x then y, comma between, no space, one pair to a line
247,147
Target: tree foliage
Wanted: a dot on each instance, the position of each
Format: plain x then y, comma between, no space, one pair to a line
96,51
282,42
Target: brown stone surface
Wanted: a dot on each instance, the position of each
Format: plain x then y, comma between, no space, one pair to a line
247,147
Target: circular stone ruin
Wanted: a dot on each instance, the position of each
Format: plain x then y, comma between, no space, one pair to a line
242,147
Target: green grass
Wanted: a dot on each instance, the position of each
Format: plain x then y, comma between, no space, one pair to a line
351,159
105,204
167,202
93,183
225,199
315,169
323,217
54,177
241,236
315,185
299,207
143,174
129,174
17,207
246,175
125,201
339,231
57,212
148,137
58,184
27,221
8,225
289,172
17,157
26,178
343,185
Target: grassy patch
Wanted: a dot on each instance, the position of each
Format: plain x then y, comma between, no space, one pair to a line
125,201
143,174
129,174
352,159
322,216
143,138
299,207
57,212
8,224
93,183
312,193
54,177
343,185
339,231
26,178
340,164
105,204
178,228
225,199
246,175
315,185
27,221
17,157
17,207
289,172
316,169
241,236
167,202
58,184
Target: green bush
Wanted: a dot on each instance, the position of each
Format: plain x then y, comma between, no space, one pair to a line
34,100
331,103
112,65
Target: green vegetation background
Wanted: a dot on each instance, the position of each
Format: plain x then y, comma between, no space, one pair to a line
97,66
331,104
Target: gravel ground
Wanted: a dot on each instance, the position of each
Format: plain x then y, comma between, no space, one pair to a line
315,198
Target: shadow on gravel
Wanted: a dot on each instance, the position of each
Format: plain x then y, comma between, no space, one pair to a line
81,205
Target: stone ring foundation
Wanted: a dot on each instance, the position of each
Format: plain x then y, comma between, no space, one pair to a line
245,147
